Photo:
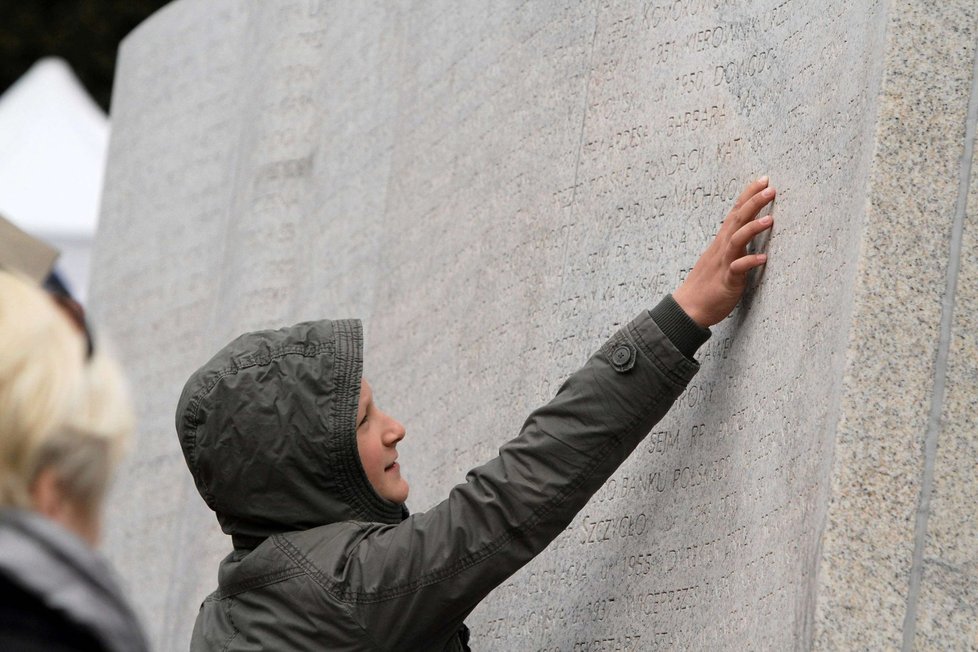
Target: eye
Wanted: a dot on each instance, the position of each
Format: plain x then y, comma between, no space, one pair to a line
366,414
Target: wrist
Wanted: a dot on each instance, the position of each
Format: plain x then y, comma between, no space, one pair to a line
691,308
684,333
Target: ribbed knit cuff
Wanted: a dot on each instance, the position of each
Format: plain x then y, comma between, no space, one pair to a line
685,334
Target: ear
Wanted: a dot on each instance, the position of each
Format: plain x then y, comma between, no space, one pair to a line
46,495
49,499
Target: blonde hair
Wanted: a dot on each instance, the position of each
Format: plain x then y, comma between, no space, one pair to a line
58,409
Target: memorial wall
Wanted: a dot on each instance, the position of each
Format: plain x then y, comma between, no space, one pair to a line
494,188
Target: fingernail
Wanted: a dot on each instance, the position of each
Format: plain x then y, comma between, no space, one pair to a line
769,192
763,179
767,219
762,258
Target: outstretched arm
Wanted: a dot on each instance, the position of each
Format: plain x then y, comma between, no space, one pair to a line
416,581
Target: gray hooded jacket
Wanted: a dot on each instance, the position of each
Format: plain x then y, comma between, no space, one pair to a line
321,561
56,593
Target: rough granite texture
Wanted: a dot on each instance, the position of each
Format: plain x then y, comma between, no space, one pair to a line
947,615
494,188
889,389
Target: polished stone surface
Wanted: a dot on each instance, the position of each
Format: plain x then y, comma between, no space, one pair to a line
494,188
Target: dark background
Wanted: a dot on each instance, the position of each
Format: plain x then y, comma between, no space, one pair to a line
86,33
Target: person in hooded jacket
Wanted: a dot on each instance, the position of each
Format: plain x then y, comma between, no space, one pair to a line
287,446
65,417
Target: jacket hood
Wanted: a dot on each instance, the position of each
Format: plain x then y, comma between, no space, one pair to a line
268,429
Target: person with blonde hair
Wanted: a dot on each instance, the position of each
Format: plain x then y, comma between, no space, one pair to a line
65,418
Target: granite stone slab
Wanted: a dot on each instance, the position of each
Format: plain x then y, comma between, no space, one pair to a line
494,188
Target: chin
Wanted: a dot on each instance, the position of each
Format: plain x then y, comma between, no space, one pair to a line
398,495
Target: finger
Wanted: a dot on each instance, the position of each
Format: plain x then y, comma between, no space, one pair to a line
752,189
747,263
749,231
734,218
753,206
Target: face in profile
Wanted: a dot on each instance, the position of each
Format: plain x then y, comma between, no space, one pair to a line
377,437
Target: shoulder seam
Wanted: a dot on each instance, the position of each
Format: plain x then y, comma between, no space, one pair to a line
256,583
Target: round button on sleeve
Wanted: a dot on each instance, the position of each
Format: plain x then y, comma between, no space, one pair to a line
623,357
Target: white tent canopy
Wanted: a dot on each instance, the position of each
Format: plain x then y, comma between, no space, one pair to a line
53,141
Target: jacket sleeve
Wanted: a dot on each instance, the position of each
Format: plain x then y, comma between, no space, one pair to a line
415,582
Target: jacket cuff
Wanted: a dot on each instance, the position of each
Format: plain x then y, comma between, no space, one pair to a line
646,335
684,333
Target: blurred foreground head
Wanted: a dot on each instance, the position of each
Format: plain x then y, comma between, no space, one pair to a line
65,415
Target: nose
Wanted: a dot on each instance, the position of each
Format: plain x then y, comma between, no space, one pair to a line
394,431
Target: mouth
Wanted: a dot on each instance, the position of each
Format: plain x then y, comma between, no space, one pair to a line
393,466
